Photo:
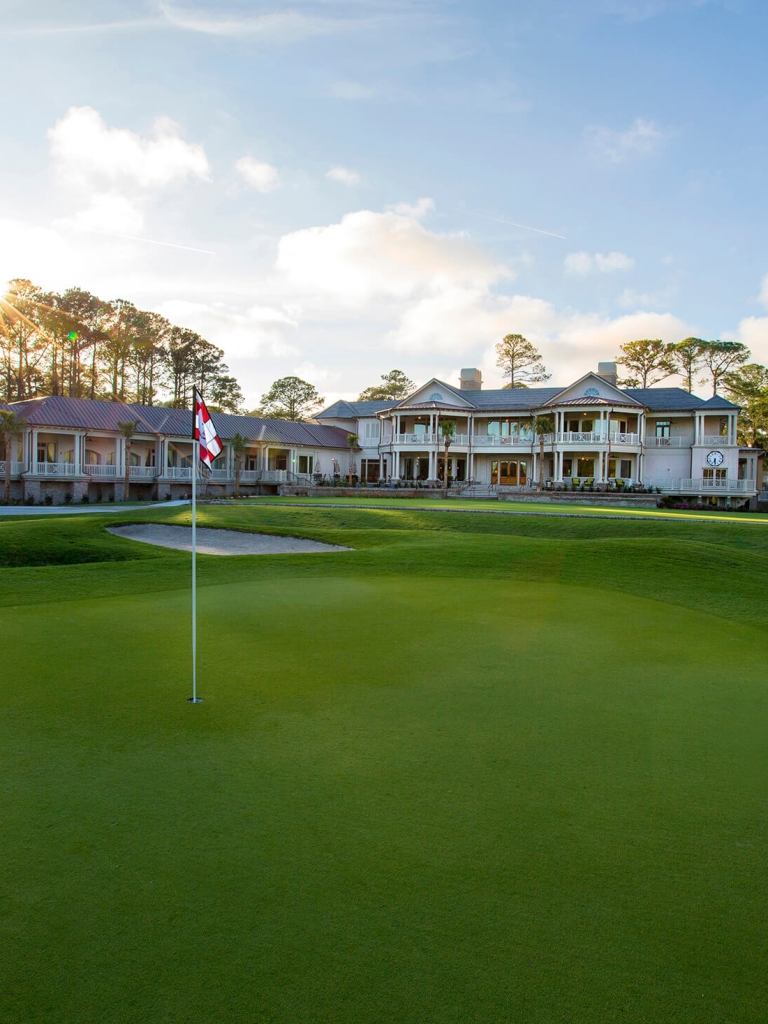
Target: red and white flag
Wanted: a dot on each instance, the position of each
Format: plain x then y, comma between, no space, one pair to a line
205,432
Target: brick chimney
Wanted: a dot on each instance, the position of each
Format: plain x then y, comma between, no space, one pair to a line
471,380
608,372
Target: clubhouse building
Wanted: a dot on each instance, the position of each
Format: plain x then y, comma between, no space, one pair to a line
591,433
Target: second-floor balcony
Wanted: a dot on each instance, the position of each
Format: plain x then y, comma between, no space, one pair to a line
16,468
717,440
684,441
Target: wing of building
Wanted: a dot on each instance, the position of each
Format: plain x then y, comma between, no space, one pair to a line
590,433
72,447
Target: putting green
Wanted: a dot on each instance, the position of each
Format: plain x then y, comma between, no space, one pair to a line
435,779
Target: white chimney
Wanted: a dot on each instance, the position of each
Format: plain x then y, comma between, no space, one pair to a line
608,372
471,380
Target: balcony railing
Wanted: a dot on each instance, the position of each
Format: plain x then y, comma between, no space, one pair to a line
101,472
715,440
581,437
16,468
415,438
618,438
57,469
143,472
498,441
684,441
699,485
178,472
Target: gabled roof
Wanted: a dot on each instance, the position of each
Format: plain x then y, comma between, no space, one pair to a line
58,411
435,399
718,402
342,410
618,396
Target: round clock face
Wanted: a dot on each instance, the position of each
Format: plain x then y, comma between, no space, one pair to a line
715,458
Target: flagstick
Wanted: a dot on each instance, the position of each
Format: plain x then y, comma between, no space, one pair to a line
194,699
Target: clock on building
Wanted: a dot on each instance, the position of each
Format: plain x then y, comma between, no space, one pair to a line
715,458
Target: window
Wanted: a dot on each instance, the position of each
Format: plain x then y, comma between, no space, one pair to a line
46,452
110,459
371,430
715,477
91,457
306,463
622,426
586,425
369,470
419,428
626,468
567,467
136,460
573,426
68,456
662,428
586,467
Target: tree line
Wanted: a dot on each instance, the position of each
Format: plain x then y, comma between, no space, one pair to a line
75,344
723,366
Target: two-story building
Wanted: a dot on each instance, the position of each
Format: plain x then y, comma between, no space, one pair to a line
591,433
73,447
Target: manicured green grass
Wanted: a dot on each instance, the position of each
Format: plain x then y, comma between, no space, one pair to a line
481,768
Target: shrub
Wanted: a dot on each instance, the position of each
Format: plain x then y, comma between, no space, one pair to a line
48,499
85,500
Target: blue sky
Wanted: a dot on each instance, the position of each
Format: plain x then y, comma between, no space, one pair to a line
340,188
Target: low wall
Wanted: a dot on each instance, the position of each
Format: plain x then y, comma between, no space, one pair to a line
612,500
285,490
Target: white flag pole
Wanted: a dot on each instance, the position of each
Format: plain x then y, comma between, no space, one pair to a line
194,699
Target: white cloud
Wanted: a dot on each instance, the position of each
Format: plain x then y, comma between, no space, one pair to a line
86,152
580,264
274,26
344,176
763,297
106,212
418,209
642,139
753,332
258,174
370,255
244,334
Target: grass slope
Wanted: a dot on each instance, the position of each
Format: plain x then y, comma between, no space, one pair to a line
469,771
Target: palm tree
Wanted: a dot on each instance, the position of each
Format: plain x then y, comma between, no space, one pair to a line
128,430
239,446
448,432
11,426
353,442
540,425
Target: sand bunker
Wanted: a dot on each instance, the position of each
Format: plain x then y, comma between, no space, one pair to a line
219,542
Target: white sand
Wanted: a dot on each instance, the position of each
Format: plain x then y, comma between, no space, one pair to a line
219,542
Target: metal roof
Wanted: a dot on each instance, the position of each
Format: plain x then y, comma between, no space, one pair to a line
351,410
676,400
86,414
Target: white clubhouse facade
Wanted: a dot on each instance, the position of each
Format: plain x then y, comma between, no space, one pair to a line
590,434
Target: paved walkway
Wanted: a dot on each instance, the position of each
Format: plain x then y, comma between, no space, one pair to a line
71,510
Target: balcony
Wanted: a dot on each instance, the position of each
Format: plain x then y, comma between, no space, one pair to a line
101,472
419,439
57,469
497,441
178,472
16,468
685,441
143,472
703,485
716,440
